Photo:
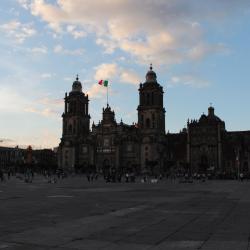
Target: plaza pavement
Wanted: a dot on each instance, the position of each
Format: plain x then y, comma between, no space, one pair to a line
74,214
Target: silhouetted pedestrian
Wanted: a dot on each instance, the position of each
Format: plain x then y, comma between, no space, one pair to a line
1,175
241,176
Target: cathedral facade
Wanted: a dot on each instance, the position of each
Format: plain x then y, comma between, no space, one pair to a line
144,147
109,144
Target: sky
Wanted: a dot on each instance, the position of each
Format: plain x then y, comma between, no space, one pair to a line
200,51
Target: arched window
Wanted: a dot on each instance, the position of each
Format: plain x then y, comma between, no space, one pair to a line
152,98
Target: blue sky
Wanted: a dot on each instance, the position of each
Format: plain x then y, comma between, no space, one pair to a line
200,51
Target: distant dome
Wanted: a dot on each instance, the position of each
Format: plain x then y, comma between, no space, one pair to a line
151,75
211,116
77,86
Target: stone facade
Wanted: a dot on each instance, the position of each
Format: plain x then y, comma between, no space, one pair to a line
204,142
203,146
15,158
111,145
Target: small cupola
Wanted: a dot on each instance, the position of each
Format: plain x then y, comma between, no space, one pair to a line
211,111
77,85
151,75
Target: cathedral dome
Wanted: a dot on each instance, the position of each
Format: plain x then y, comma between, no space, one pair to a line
151,75
77,86
211,116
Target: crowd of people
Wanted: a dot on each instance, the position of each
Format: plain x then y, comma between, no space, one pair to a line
113,176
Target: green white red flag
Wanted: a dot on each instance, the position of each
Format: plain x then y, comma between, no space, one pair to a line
103,83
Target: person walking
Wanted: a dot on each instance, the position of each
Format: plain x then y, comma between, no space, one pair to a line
1,175
241,176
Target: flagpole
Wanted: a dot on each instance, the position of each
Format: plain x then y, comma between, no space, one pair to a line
107,95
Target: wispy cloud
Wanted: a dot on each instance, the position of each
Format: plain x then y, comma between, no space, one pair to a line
46,75
76,33
48,112
18,31
129,76
24,3
96,91
189,80
5,140
106,71
39,50
51,101
59,49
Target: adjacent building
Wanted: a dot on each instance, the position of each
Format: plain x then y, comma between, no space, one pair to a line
15,158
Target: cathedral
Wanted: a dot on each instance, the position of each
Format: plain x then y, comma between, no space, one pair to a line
144,147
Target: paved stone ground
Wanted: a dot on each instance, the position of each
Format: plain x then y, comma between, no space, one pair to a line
74,214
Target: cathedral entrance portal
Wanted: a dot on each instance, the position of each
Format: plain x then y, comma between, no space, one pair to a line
106,167
203,166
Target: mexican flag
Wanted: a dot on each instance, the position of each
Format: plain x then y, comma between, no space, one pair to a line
104,83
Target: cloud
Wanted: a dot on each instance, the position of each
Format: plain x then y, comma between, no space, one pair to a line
96,91
18,31
109,45
48,139
24,3
46,75
200,50
75,32
46,106
129,76
4,140
189,80
58,49
39,50
67,79
47,112
162,32
111,72
51,101
106,71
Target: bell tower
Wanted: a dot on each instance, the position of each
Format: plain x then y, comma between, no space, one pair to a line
76,120
76,125
151,123
151,113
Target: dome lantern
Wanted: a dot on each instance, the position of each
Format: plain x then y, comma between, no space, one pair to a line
151,75
77,85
